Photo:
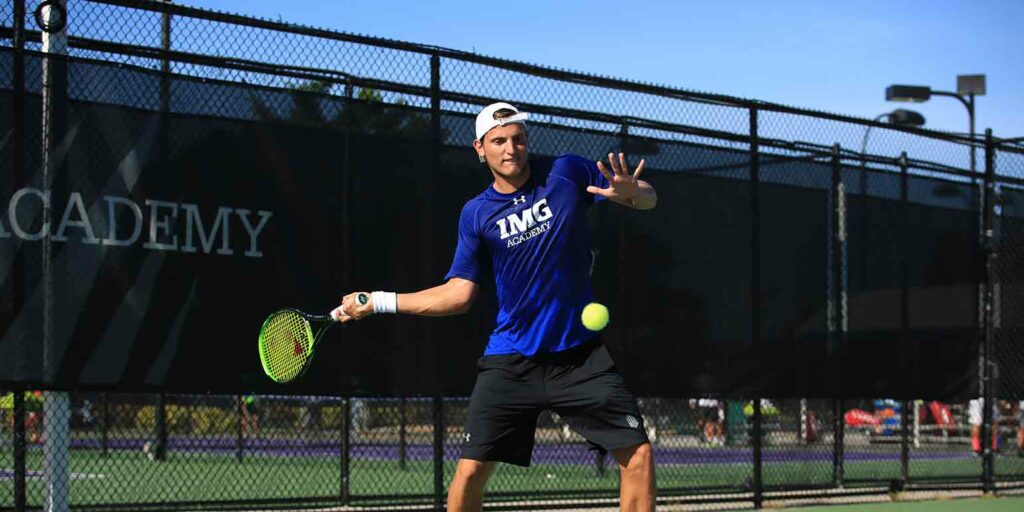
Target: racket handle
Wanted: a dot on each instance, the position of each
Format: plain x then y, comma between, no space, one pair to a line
363,300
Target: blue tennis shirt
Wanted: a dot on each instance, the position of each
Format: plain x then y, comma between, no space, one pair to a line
535,240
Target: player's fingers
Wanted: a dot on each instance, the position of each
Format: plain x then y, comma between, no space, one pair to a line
351,306
604,172
338,314
622,164
599,191
639,169
615,166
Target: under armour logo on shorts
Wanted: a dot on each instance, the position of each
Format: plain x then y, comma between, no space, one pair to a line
632,422
519,200
466,437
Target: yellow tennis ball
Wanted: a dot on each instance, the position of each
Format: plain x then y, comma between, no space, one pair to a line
595,316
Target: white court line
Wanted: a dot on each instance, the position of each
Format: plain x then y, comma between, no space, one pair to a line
8,474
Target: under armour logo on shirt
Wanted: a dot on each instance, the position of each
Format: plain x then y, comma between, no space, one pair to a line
519,200
466,436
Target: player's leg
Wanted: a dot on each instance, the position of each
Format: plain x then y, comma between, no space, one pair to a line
466,492
636,477
587,391
500,425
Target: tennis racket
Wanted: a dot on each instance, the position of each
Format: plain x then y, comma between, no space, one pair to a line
287,341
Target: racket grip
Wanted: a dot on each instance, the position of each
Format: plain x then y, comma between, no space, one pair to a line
362,298
341,313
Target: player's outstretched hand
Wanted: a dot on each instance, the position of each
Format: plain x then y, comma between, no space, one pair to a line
351,309
622,186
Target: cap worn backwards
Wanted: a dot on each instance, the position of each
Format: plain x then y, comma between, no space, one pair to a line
486,119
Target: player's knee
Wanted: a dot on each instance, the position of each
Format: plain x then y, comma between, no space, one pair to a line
472,473
644,454
638,460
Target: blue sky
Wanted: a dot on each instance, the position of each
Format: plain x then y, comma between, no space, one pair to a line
824,55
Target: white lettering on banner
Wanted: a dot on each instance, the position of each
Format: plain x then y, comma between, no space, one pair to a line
164,224
112,221
156,224
12,213
83,222
253,233
192,218
525,220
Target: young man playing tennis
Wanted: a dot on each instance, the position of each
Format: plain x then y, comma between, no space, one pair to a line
529,227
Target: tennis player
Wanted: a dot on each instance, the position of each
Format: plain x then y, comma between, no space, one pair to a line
529,228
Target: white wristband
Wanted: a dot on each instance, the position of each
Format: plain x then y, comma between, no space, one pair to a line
385,302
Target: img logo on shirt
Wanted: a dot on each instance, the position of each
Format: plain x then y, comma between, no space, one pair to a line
526,224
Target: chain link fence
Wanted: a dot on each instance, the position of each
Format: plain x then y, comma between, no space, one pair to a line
150,451
858,245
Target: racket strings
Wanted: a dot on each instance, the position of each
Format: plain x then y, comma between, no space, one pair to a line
286,342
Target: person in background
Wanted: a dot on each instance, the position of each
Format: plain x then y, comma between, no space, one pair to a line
1020,429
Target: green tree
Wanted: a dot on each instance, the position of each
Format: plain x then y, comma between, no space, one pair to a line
312,103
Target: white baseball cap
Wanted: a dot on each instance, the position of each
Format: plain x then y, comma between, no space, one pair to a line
485,120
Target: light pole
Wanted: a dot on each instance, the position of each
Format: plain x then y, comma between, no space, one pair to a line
898,117
967,87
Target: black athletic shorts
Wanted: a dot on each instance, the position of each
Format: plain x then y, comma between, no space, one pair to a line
580,384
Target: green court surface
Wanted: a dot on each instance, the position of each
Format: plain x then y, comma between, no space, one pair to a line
127,476
1014,504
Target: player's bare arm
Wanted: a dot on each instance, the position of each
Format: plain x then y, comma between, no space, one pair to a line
454,297
625,188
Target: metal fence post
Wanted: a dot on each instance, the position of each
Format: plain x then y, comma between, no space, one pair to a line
758,468
904,239
20,502
345,243
439,494
755,229
989,431
837,306
909,406
160,450
165,85
239,434
755,294
345,194
346,272
402,420
53,25
165,63
905,412
838,435
17,158
165,67
438,402
837,263
346,449
105,425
